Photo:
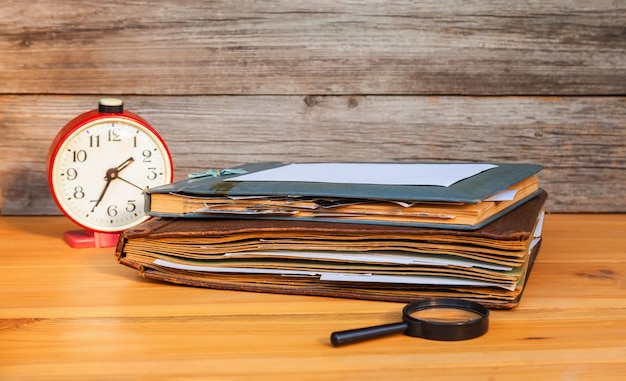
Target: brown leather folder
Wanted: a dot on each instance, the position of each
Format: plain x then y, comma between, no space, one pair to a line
212,253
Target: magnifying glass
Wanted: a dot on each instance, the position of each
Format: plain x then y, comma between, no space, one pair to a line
434,319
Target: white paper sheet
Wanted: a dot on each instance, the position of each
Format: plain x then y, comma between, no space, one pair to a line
411,279
369,173
537,232
506,195
341,277
387,258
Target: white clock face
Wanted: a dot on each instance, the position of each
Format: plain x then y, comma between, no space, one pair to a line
101,170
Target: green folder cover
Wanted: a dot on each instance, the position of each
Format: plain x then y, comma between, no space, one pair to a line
471,190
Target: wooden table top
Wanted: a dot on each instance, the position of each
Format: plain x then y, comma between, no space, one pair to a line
76,314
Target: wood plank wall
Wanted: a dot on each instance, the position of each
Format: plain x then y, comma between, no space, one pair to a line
229,82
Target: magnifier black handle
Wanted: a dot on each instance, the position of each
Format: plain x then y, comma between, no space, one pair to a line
361,334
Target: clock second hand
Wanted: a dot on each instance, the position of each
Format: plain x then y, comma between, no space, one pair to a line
128,182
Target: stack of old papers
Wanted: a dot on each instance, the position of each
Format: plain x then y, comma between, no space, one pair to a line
380,231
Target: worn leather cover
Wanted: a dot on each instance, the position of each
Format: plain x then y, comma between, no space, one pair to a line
506,238
490,298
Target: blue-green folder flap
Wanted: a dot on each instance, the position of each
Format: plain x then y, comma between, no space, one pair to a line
470,190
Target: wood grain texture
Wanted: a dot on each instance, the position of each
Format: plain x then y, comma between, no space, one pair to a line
579,140
229,82
77,314
289,47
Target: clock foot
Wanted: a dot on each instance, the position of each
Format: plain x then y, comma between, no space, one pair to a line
82,239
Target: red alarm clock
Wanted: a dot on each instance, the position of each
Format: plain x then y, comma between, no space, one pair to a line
99,165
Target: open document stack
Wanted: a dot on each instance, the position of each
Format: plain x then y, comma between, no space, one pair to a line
379,231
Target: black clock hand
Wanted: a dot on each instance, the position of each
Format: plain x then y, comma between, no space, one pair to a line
108,179
112,174
124,165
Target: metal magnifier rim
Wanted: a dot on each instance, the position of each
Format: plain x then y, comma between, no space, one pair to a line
442,330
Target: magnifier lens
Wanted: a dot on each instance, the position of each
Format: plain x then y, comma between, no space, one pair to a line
448,315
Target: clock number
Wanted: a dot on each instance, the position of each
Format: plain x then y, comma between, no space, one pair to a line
130,206
79,156
152,175
94,141
79,192
146,156
112,211
114,135
71,174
